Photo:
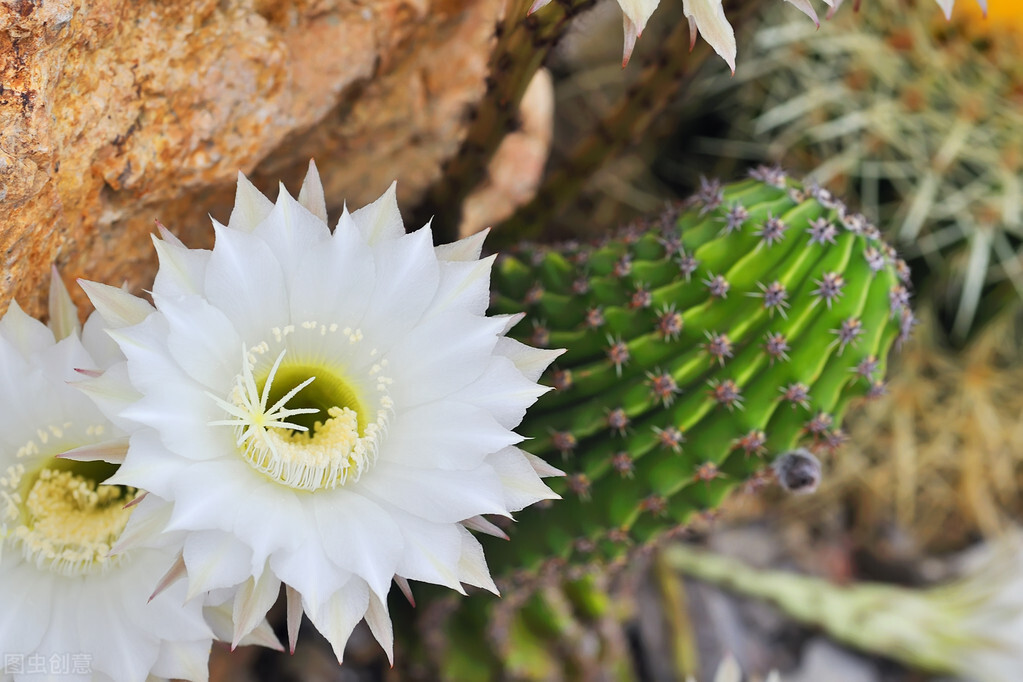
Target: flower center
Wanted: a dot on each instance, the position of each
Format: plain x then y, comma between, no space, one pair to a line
306,424
60,515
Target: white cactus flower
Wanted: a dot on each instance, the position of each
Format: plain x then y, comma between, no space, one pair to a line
69,610
327,410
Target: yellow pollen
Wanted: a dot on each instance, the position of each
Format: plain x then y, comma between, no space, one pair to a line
323,457
273,415
68,522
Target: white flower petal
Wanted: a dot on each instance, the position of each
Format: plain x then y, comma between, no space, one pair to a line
168,236
24,597
111,391
530,361
122,654
709,19
542,467
379,622
254,599
472,565
183,661
18,417
463,250
639,11
291,230
153,468
308,565
466,285
520,482
430,551
102,348
460,352
203,491
339,615
112,451
172,402
437,495
182,271
166,614
482,525
63,312
201,339
381,219
245,281
438,434
294,599
344,264
359,537
148,521
214,560
25,333
61,362
631,32
116,306
400,298
806,8
946,7
502,391
250,206
171,576
311,195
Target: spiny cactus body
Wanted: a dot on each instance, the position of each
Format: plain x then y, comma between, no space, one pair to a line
698,349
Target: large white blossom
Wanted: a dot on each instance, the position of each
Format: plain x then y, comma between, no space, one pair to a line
707,18
68,610
327,410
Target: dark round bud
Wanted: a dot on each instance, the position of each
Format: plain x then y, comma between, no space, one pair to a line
798,471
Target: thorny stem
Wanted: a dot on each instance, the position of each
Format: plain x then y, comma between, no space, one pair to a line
666,76
523,43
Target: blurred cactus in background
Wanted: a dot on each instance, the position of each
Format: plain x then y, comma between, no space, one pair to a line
917,118
969,628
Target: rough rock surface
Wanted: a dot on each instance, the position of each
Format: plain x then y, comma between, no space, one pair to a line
116,113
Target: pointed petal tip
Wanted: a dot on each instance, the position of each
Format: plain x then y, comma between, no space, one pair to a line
293,601
482,525
173,574
405,589
136,501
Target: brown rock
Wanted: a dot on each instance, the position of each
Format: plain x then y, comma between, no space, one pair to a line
115,113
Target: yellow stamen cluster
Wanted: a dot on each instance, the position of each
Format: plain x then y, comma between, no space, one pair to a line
326,455
69,522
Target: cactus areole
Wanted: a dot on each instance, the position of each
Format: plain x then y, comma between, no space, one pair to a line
700,347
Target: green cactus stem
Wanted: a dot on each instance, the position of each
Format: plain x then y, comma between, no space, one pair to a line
699,348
